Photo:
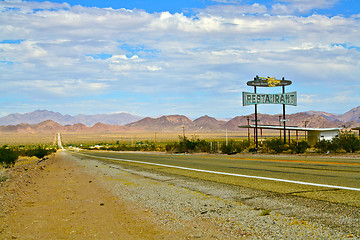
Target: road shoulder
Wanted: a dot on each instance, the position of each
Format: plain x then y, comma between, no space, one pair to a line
57,199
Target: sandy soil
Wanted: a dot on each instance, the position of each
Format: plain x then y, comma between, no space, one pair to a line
55,199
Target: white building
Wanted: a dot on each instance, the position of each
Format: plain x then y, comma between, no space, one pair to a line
313,134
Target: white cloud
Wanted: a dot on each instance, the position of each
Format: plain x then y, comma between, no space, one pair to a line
124,58
65,88
234,10
153,68
309,99
124,64
212,53
301,6
282,7
227,1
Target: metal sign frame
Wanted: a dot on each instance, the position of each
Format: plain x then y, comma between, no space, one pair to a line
256,98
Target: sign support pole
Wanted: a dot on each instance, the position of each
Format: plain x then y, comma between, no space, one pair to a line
283,89
256,124
255,99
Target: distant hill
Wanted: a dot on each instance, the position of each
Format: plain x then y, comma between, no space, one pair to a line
39,116
50,126
352,115
163,123
206,123
176,122
297,119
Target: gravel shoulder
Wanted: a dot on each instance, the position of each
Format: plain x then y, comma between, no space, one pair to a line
74,197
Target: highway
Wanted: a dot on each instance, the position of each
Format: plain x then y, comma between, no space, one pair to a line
334,178
314,177
59,141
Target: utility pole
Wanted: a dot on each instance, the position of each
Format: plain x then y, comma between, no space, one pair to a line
280,125
183,129
305,123
155,139
226,137
55,138
248,123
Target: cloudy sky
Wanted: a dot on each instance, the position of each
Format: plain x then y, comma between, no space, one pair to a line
190,57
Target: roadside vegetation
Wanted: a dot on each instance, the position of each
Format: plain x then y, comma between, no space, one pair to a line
346,142
8,157
9,154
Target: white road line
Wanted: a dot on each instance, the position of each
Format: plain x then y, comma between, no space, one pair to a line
227,174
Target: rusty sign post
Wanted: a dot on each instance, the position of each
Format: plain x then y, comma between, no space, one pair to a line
258,98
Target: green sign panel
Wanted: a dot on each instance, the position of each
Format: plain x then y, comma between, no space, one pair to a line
260,98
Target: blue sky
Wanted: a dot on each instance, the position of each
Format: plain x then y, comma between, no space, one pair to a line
189,57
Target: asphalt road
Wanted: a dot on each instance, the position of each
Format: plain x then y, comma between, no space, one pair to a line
332,171
275,173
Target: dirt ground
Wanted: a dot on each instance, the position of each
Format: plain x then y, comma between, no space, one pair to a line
56,199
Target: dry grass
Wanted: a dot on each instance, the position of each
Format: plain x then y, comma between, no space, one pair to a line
126,137
94,138
161,137
14,139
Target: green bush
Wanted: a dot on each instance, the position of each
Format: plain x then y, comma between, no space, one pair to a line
39,152
298,147
172,147
202,146
233,147
139,146
189,146
185,145
197,145
227,148
324,146
276,145
8,157
348,141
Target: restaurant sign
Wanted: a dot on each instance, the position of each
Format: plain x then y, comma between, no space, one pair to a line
260,98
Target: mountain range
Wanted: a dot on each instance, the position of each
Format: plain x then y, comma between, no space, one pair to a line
39,116
352,115
47,121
